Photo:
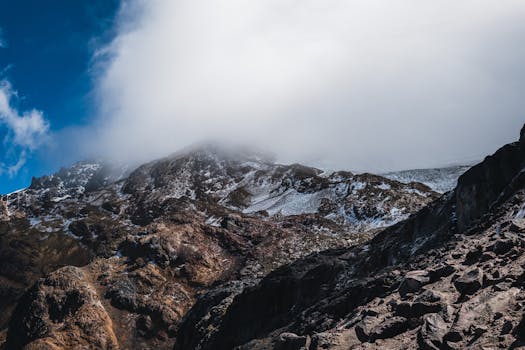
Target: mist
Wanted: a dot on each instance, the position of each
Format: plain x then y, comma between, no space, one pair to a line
371,85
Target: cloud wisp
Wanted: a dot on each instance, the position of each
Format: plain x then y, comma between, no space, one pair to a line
25,130
367,85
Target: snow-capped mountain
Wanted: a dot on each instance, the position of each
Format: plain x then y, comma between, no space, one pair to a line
253,185
176,226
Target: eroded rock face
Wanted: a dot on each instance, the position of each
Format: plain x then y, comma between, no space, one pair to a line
61,311
450,277
481,186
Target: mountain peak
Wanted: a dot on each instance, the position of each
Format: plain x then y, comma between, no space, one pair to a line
225,151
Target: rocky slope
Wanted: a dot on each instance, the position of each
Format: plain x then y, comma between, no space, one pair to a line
125,254
450,277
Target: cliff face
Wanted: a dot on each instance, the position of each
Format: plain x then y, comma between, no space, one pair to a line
483,185
451,276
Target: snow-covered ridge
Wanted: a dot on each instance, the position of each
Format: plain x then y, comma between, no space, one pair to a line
254,185
82,176
439,179
212,177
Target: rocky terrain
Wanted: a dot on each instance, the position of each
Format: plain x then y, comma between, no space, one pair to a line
450,277
99,256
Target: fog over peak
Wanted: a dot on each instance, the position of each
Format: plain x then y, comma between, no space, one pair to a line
366,85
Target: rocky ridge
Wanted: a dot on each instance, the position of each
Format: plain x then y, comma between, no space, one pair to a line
127,253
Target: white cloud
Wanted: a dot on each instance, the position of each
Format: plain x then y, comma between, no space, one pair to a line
26,130
366,84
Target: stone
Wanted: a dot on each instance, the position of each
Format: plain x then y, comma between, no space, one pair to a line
473,256
413,282
432,332
291,341
507,327
389,328
501,246
363,329
470,282
418,308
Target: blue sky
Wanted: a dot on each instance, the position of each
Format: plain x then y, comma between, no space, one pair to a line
46,55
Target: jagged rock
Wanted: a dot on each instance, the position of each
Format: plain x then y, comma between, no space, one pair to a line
502,246
372,328
427,302
413,281
363,329
291,341
473,256
432,332
389,328
470,281
442,270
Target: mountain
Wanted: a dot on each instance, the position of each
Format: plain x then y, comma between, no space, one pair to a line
104,256
438,179
449,277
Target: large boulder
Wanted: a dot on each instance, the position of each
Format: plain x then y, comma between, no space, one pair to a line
432,332
470,282
413,282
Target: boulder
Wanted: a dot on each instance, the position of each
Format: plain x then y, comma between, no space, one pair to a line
363,329
413,282
389,328
370,329
470,282
291,341
432,332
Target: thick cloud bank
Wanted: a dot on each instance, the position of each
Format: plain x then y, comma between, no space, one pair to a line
367,85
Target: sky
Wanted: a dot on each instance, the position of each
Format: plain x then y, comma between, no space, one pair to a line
46,50
365,85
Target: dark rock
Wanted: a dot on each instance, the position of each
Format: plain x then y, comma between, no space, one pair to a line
363,329
440,272
501,246
487,256
473,256
417,309
427,302
144,326
370,329
470,282
389,328
413,282
519,330
507,327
